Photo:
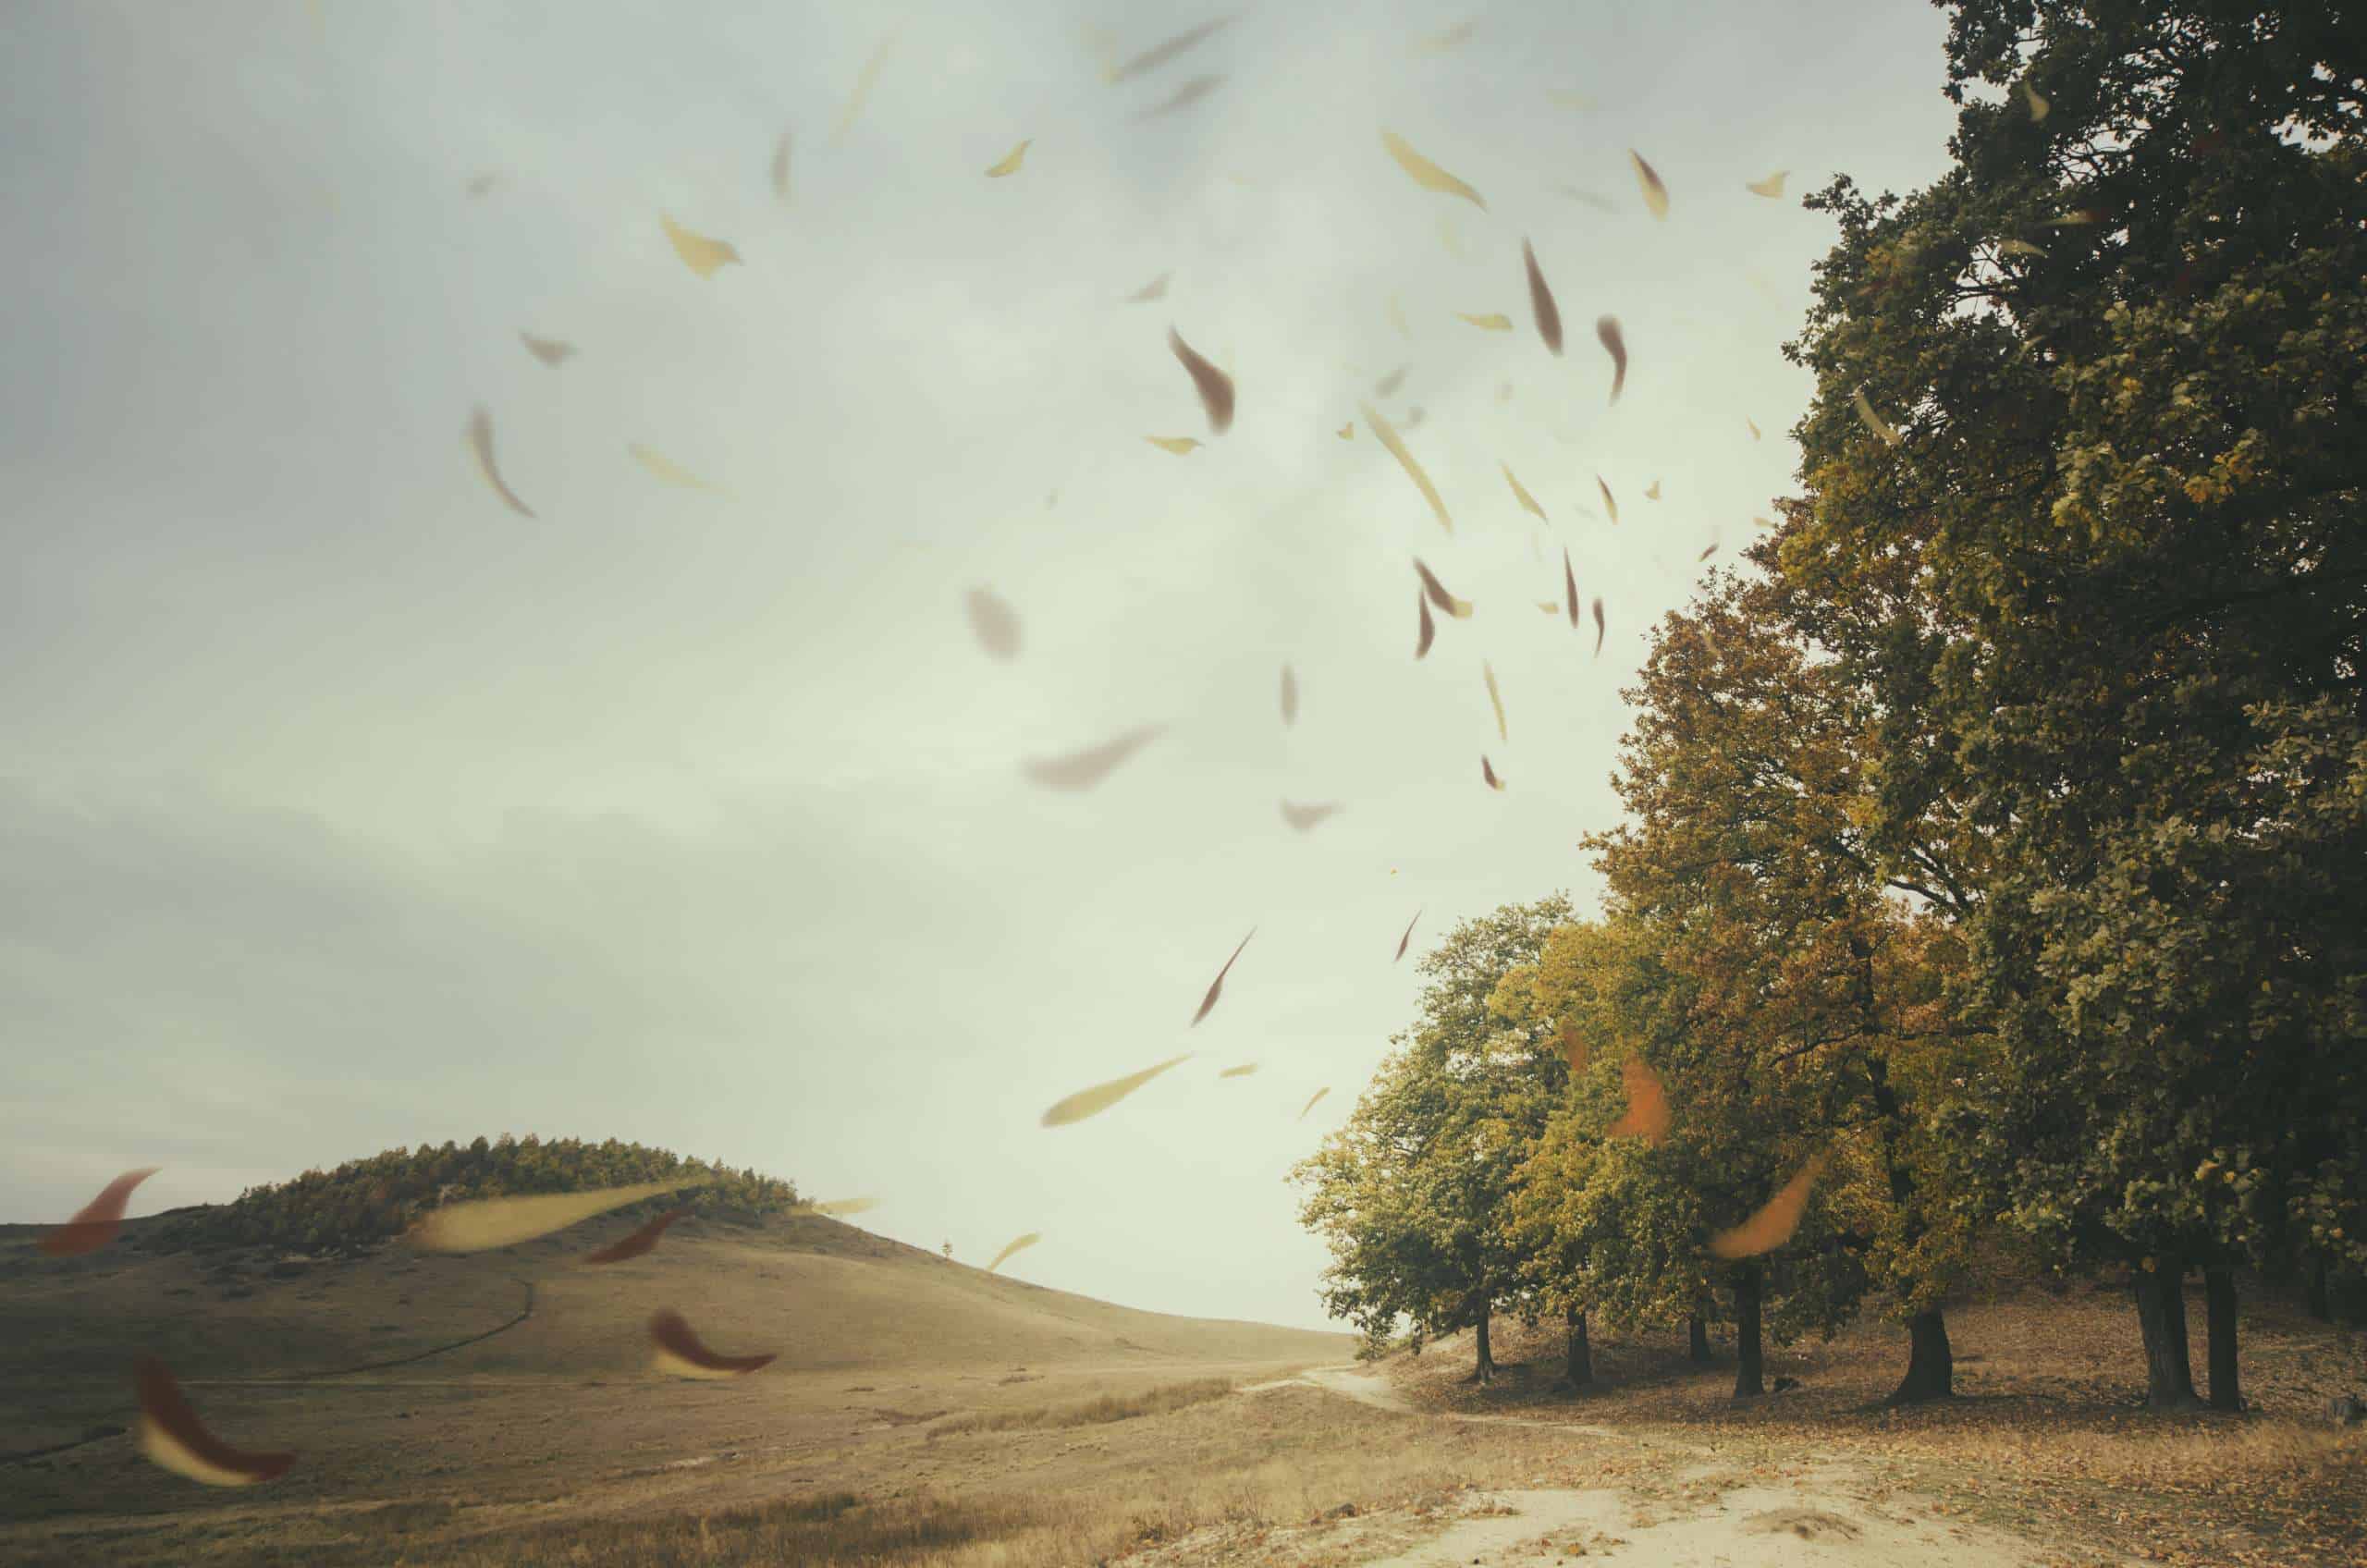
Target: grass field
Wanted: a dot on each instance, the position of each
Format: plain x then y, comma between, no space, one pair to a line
924,1413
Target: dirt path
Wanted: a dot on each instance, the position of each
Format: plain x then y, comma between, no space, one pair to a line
1825,1519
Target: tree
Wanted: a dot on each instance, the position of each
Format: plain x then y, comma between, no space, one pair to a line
2108,589
1409,1192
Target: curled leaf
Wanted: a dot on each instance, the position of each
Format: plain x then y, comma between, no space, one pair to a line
1609,504
1598,626
1011,160
1388,437
1494,321
681,1353
1102,1097
1216,987
1773,185
2038,104
98,1222
481,446
1408,935
2018,247
1487,772
1540,301
640,1242
1655,193
1711,551
1520,492
1774,1224
1083,770
1430,628
1311,1099
486,1223
1213,384
1873,421
1426,173
1304,818
995,623
1606,332
699,254
1018,1244
172,1438
1647,1116
1437,594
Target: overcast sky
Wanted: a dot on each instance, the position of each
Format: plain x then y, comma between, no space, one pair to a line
343,807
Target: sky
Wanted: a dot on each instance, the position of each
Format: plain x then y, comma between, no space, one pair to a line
343,807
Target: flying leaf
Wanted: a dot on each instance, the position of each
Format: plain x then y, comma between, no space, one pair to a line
1244,1071
1304,818
481,444
1505,392
2018,247
1388,385
1540,301
1487,772
1772,1225
486,1223
1397,318
838,1206
1181,445
1184,97
1083,770
699,254
681,1353
1430,628
1520,492
1448,238
1711,551
1754,427
1647,1116
1874,421
1652,491
863,86
550,350
1445,41
1431,586
1028,1240
1155,289
1414,416
2076,217
1607,500
172,1438
1598,201
640,1242
1494,321
1159,54
1290,697
1388,437
1655,193
1346,432
1214,385
1311,1104
1102,1097
1569,100
2038,104
1570,587
780,167
1409,933
1773,185
668,470
1426,173
1011,160
1598,626
1495,700
1574,1048
995,623
1606,331
99,1221
1216,987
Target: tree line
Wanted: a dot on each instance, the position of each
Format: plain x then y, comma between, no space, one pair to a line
1996,836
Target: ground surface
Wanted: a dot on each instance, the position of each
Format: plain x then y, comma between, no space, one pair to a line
925,1413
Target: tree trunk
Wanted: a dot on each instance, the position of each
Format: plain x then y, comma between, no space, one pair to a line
1581,1368
1696,1348
1486,1367
1930,1364
2161,1313
2219,1294
2316,1289
1748,1363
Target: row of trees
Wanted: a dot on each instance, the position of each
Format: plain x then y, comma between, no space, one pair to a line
2000,835
364,1202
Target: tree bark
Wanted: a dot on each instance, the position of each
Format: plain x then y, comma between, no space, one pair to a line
1581,1368
2219,1295
1485,1367
1698,1340
1930,1364
2316,1289
1748,1282
2161,1313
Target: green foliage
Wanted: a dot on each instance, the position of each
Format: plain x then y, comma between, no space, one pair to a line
364,1202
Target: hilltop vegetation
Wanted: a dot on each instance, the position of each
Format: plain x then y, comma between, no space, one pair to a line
364,1202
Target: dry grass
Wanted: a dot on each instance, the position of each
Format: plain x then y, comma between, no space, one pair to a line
1095,1412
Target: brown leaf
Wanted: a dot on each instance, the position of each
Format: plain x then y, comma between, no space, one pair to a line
995,623
1155,289
681,1352
1774,1224
640,1242
1655,193
550,350
1158,54
1215,387
172,1438
1311,1104
1487,772
1407,938
1606,331
1598,626
1541,302
1430,628
1290,697
99,1221
1388,436
1083,770
1574,1048
1711,551
1570,588
1304,819
1216,987
481,444
1608,500
1388,385
1431,586
1182,97
1647,1116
